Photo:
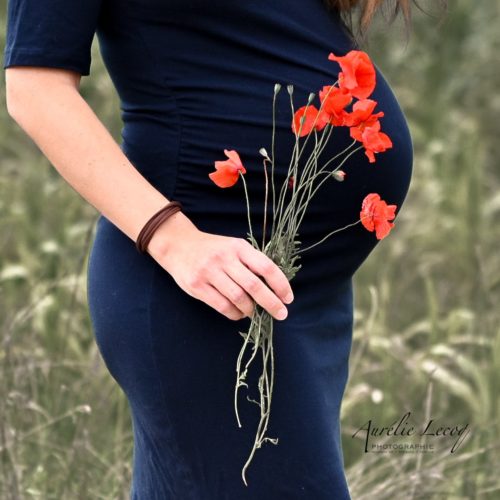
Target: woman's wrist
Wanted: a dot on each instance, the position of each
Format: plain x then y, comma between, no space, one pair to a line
171,230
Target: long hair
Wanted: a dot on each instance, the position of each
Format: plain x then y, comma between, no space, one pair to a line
365,10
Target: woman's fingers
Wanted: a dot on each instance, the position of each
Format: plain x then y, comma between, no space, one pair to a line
227,273
228,285
253,287
211,296
261,264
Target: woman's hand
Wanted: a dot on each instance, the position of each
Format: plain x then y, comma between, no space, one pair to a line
222,271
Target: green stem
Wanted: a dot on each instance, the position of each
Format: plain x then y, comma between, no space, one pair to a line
284,185
265,209
303,206
345,150
307,184
315,119
248,205
317,150
273,157
329,234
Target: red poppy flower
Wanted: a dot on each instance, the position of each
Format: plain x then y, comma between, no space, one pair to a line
291,180
362,115
358,73
373,140
310,112
334,101
227,171
375,215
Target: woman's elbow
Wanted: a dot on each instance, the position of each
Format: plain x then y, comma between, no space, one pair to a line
24,83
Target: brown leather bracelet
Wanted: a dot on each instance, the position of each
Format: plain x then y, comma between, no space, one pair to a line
154,223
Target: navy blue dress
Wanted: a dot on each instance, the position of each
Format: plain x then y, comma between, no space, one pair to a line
195,77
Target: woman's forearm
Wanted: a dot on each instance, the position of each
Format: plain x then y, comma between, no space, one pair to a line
226,272
65,128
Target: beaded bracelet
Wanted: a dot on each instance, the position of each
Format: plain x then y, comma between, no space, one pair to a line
153,223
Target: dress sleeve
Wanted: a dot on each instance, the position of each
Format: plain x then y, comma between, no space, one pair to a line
51,33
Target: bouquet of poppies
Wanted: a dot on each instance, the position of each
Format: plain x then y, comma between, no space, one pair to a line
345,103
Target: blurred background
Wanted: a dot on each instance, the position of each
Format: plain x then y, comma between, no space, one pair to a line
427,315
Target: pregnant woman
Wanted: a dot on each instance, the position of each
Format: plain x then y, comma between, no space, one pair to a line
195,77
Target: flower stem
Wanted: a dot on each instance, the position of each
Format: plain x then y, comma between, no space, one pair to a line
248,205
265,208
329,234
266,382
273,155
302,208
316,118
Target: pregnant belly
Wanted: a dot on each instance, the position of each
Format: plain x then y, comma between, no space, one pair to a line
335,204
181,169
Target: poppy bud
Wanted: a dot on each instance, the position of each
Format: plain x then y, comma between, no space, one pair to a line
338,175
263,152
